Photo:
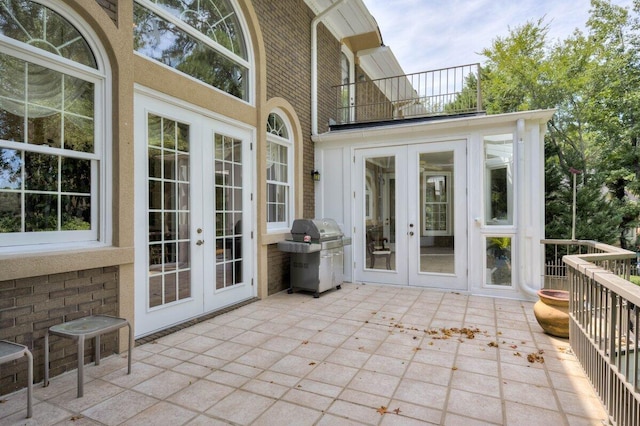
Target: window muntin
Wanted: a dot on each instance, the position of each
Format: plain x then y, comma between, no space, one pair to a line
167,35
279,174
498,179
214,18
50,150
38,26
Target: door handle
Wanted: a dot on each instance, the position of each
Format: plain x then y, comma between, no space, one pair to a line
199,242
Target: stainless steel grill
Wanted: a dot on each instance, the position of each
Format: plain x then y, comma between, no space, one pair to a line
317,255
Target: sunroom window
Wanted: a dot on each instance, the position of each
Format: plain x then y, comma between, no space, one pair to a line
498,179
201,38
51,148
279,174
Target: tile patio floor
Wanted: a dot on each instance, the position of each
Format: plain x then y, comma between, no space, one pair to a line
336,360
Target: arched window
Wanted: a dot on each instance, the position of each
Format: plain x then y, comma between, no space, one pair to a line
201,38
52,129
279,173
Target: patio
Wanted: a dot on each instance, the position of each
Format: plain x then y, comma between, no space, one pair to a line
365,354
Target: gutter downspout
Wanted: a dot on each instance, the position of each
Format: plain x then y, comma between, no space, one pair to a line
314,64
521,211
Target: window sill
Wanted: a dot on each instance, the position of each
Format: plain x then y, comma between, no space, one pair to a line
272,237
34,264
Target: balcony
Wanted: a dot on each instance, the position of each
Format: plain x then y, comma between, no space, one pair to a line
426,95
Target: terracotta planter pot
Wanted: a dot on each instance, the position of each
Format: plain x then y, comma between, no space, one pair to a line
552,312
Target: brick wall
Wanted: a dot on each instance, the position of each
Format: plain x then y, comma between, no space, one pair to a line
111,7
28,307
286,29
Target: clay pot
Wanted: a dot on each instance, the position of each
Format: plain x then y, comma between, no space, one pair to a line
552,312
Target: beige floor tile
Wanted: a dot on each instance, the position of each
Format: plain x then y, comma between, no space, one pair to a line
355,412
285,413
333,374
161,361
161,414
364,398
397,351
164,384
44,413
252,338
481,407
319,388
178,353
374,383
476,365
119,408
526,394
139,373
527,415
268,389
525,374
228,351
260,358
308,399
458,420
281,344
429,373
204,420
191,369
200,344
421,393
477,383
95,392
582,406
347,357
314,351
241,407
242,369
226,378
415,412
279,378
294,365
208,361
201,395
386,365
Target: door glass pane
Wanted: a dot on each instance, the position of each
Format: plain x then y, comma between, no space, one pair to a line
379,208
228,214
169,211
436,231
498,266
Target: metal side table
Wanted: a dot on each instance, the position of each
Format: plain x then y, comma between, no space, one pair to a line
81,329
10,351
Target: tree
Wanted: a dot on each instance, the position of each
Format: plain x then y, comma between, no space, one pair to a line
592,82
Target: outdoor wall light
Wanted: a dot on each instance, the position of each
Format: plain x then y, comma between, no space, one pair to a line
315,175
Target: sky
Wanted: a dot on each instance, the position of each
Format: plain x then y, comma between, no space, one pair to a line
431,34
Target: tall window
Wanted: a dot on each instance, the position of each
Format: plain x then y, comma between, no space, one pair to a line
201,38
498,180
279,174
52,110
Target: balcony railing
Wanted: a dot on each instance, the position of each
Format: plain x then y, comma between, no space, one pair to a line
443,92
604,312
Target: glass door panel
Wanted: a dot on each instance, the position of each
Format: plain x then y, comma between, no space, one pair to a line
436,210
380,205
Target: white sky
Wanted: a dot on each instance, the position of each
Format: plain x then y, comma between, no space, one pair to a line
431,34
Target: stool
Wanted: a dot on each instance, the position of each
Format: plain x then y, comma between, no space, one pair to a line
81,329
10,351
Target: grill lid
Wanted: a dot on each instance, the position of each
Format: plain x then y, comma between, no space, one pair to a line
315,230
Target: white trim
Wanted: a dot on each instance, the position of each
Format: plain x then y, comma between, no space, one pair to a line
102,174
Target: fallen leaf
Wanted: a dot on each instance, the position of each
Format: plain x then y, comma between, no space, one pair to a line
514,346
417,349
454,368
78,417
397,411
382,410
304,342
312,363
517,354
492,344
535,357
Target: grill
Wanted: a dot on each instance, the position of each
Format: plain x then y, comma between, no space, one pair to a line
317,255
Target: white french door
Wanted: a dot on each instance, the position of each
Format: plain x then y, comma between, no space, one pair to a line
410,215
193,184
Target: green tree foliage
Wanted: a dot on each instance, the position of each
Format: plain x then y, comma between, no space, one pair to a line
593,82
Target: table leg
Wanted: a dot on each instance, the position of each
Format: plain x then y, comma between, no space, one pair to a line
80,366
45,383
29,384
97,349
130,348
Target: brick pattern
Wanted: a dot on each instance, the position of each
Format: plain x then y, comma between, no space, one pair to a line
111,7
28,307
286,29
376,105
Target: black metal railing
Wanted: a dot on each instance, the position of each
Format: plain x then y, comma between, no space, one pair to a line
447,91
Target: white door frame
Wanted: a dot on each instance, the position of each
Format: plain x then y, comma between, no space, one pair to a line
204,296
406,268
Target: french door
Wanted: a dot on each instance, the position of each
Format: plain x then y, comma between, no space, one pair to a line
410,215
193,214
